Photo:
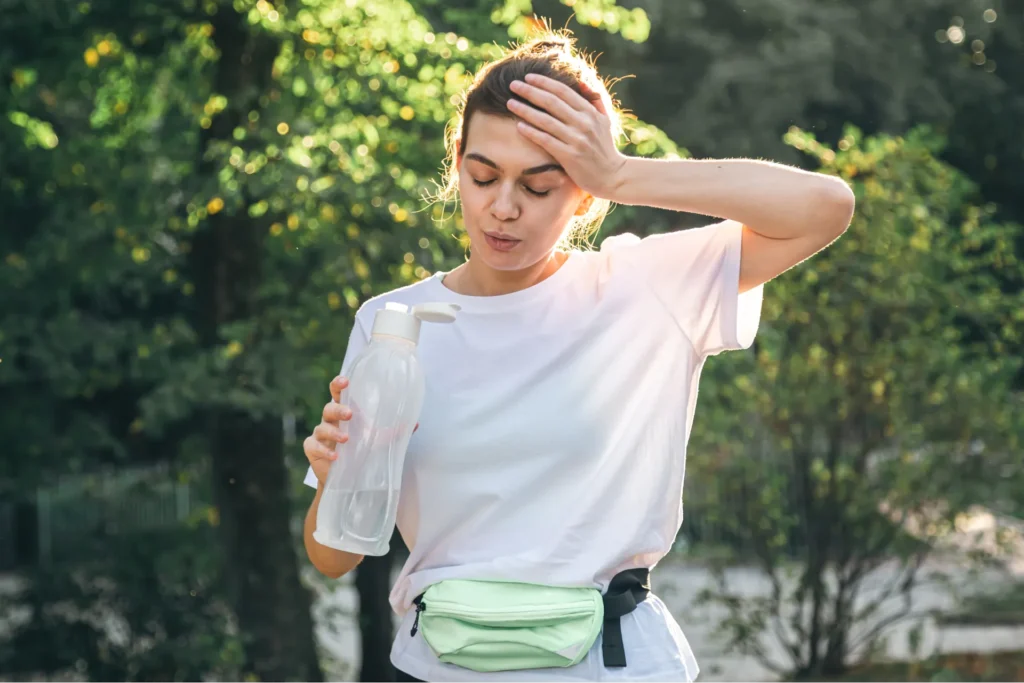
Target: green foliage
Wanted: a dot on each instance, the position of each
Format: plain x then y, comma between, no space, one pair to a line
330,162
295,141
485,21
733,75
201,194
143,607
876,407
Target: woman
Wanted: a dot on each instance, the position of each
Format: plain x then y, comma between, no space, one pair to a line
552,445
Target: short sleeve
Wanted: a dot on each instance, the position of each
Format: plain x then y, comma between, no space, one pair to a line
357,341
695,274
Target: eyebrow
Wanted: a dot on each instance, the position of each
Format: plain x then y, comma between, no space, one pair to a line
530,171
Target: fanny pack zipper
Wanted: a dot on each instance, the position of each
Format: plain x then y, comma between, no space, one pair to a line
420,606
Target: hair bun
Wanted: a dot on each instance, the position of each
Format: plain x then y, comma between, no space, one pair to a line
550,44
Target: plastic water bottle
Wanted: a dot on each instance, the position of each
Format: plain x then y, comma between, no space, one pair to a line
359,502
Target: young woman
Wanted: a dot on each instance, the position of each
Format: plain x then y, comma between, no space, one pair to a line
552,444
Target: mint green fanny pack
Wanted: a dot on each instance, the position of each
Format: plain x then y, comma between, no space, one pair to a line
505,626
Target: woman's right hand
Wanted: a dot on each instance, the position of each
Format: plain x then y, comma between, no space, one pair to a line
320,445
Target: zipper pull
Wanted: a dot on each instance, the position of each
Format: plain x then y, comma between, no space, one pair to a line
420,606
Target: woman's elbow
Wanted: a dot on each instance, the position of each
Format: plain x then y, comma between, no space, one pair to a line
336,570
332,573
838,203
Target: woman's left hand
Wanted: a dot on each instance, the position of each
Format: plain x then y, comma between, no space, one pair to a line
576,132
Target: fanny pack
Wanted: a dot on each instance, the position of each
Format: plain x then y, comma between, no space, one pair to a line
506,626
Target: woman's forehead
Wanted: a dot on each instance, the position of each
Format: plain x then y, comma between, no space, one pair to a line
497,140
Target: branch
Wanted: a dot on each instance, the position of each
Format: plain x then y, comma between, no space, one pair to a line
843,617
888,535
872,634
756,650
778,628
883,597
905,586
743,623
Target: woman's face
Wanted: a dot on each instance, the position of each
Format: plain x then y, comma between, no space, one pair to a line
516,200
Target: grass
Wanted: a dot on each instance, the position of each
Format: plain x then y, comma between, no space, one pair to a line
1002,608
999,666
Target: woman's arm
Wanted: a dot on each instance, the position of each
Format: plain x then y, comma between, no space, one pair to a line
789,214
328,561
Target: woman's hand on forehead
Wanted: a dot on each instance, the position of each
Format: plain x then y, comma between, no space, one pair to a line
573,130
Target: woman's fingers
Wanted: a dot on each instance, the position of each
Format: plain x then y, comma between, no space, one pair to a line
329,435
335,412
558,99
316,452
551,125
338,385
319,446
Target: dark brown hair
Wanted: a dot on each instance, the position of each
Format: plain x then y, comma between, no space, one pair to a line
553,55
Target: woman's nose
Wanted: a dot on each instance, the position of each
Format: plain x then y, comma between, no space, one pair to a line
504,206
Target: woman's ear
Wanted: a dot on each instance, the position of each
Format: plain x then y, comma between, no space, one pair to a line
584,205
458,155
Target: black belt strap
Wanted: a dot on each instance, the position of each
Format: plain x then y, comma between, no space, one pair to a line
626,590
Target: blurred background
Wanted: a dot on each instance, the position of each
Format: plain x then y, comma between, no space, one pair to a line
196,196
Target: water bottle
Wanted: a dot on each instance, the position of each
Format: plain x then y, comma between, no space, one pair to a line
359,502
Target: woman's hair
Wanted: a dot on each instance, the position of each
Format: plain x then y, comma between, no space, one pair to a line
553,55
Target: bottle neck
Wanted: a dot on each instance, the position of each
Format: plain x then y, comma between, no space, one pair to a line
392,339
396,324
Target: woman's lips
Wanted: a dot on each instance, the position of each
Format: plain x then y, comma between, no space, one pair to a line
500,243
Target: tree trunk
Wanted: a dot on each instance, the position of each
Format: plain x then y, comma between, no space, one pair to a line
271,604
834,663
838,640
373,582
249,476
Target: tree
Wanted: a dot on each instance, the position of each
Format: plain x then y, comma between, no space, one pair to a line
721,66
201,194
866,421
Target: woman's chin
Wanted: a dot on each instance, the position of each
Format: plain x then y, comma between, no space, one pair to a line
497,255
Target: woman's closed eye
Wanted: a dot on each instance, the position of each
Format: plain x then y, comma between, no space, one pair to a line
485,183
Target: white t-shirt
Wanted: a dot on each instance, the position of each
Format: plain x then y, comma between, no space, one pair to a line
552,443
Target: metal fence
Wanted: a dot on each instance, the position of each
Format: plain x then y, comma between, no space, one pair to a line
64,519
9,551
67,518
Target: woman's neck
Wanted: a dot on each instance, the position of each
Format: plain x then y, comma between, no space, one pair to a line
475,278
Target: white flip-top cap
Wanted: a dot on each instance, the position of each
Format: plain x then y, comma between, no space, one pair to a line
396,320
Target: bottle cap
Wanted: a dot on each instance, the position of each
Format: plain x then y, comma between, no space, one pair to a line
397,320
